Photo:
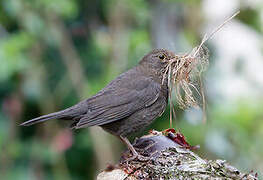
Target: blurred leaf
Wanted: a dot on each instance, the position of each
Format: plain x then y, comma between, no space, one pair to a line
251,17
13,7
66,8
12,54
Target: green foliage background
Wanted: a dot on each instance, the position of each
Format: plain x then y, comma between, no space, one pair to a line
54,53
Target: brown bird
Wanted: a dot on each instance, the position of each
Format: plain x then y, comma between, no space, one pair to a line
127,104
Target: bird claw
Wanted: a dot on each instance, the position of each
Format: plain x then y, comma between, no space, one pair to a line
143,158
137,157
135,154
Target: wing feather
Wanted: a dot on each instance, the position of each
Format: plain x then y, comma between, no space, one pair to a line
113,105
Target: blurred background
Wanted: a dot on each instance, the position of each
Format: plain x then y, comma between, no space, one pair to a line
54,53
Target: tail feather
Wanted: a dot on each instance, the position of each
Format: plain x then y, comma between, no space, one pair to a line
64,114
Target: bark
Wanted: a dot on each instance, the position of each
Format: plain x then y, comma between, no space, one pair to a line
169,160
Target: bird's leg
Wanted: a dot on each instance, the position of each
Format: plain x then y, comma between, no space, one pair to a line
129,145
135,154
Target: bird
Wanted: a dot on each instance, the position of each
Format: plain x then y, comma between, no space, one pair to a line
129,103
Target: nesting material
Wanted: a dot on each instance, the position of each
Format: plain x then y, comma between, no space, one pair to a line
184,75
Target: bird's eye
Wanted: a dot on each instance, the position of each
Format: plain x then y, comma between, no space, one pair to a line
162,57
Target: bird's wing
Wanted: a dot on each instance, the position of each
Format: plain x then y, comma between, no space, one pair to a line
120,102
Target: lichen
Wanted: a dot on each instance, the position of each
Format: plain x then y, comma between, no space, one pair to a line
181,163
173,162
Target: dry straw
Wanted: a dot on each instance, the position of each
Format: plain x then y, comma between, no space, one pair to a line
184,74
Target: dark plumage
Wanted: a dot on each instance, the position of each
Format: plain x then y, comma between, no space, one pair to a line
127,104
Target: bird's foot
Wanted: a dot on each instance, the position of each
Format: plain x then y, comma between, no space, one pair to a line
138,157
143,158
135,154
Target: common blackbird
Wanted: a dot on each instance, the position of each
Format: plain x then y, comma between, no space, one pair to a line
127,104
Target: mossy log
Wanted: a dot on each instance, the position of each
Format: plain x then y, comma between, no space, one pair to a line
169,160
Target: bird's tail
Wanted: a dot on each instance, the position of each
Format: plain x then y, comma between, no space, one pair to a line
64,114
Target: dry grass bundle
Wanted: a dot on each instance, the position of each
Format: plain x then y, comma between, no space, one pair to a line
184,75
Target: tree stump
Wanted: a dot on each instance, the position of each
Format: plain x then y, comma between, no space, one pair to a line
170,157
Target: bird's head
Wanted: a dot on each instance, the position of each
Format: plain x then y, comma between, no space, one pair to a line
157,59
